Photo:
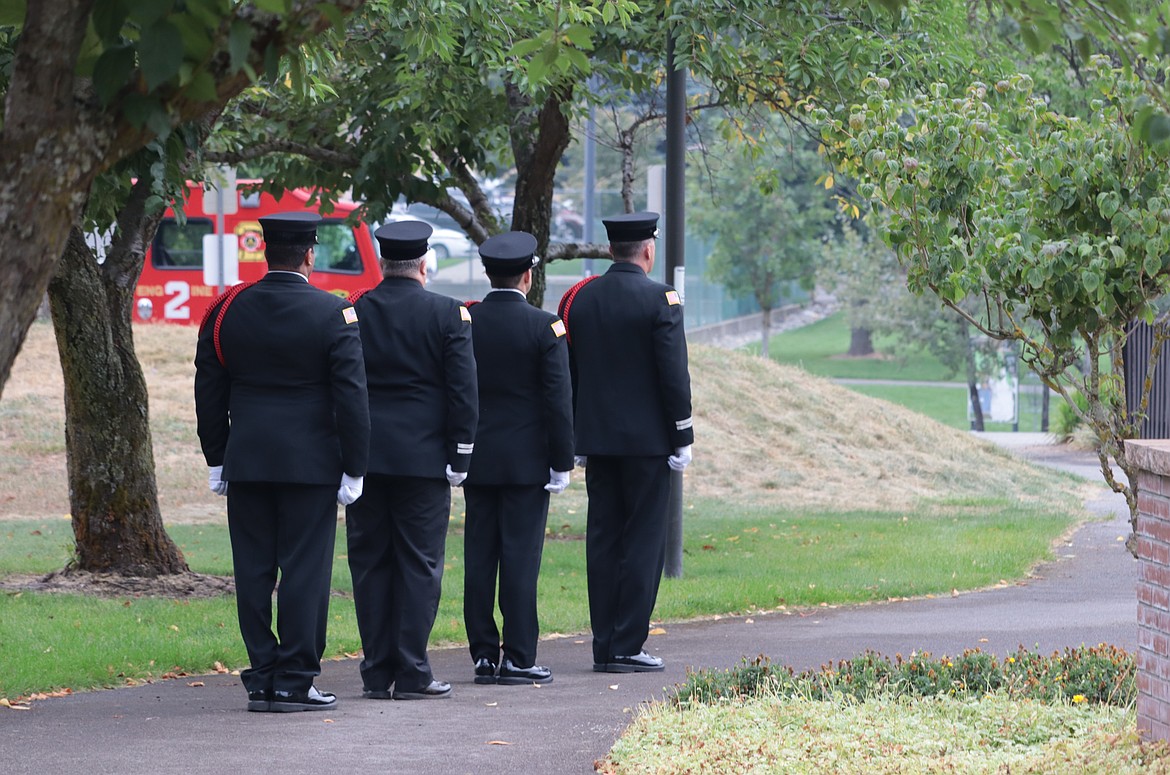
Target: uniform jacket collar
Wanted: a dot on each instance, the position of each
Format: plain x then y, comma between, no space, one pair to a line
625,267
503,294
284,276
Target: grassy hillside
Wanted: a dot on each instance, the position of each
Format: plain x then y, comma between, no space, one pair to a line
766,434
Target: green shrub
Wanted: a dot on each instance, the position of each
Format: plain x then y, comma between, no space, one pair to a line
1101,674
1067,421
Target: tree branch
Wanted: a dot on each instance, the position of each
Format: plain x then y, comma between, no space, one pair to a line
561,251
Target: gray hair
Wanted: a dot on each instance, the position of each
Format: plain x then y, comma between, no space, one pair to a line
402,268
627,251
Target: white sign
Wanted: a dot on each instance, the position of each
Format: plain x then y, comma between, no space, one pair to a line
219,192
227,246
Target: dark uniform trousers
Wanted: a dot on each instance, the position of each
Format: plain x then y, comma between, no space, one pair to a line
303,520
625,531
505,530
397,533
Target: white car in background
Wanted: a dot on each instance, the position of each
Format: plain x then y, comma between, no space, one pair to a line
447,240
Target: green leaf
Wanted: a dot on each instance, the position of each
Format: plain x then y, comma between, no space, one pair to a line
239,43
1152,265
197,42
1090,280
108,19
579,36
280,6
1157,130
203,87
525,47
271,63
112,72
147,12
160,53
328,10
146,112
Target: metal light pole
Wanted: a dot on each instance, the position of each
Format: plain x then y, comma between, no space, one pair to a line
675,227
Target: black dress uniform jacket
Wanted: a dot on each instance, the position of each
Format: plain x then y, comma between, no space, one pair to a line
285,415
525,396
421,373
290,403
631,386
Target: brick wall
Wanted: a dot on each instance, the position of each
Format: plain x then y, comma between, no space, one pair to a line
1152,458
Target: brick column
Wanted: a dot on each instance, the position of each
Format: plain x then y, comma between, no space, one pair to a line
1152,459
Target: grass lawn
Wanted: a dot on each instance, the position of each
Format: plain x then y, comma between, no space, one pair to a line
736,559
820,349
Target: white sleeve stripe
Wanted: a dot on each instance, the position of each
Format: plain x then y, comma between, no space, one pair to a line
464,449
682,425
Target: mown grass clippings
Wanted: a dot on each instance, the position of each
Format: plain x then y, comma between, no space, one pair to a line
885,733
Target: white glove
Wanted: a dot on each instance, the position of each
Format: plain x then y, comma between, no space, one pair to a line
580,460
557,481
215,481
680,459
350,489
455,478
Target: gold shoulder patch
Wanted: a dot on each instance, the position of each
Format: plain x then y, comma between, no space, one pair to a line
558,327
672,298
464,314
350,315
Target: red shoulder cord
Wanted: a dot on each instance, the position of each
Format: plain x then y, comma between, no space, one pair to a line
355,295
567,302
226,297
470,302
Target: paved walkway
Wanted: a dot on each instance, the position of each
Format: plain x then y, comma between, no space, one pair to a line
1086,596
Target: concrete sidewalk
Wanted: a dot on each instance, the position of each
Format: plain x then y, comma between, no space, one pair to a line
199,725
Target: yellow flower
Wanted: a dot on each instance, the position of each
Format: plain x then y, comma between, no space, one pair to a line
1078,698
1011,660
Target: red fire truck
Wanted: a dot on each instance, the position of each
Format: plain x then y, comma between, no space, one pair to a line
188,262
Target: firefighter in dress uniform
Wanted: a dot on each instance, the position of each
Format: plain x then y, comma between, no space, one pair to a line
632,403
523,451
423,407
280,400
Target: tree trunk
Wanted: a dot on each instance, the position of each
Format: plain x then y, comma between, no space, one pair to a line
860,342
113,497
1044,402
973,389
539,139
41,186
765,332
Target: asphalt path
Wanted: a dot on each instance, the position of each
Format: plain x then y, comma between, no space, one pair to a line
198,724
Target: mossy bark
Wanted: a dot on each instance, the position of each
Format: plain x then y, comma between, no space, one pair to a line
113,496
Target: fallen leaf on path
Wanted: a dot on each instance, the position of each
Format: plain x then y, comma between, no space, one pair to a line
613,687
658,631
219,668
491,704
4,703
195,683
497,742
328,720
749,620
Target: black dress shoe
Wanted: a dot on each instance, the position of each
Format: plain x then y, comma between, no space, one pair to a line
260,700
485,671
376,694
289,702
638,663
432,691
516,676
